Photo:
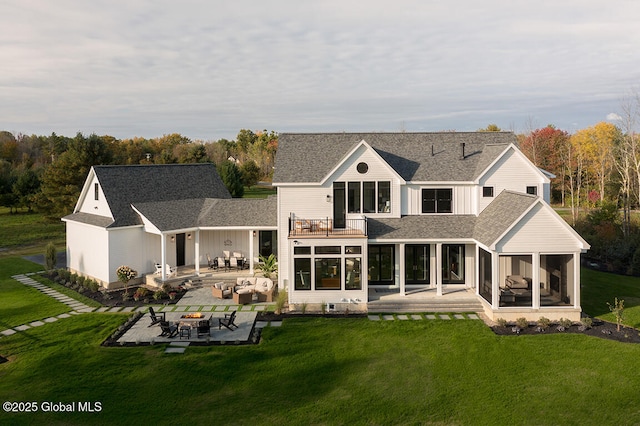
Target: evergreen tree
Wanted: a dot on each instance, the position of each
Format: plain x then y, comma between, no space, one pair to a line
232,178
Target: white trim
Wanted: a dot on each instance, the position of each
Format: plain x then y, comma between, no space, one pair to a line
351,153
502,154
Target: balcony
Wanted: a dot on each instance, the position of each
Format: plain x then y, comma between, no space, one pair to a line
300,228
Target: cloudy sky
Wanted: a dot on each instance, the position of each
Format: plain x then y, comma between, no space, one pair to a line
207,69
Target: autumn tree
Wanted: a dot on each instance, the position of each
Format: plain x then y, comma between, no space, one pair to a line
544,147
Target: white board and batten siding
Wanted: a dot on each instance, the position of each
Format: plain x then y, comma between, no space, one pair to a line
463,198
124,249
540,231
511,172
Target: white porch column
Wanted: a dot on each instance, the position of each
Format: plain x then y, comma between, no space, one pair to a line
197,252
251,256
476,270
439,269
163,255
535,280
495,280
576,280
402,270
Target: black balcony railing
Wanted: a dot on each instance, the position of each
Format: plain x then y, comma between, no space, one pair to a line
327,227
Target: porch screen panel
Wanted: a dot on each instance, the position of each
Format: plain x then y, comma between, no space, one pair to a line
556,280
485,274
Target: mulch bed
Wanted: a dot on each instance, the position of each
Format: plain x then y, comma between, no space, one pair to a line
115,298
599,328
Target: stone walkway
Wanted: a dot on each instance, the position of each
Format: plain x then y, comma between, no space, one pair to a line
76,307
434,316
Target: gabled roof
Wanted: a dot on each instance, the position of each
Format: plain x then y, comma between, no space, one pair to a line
501,215
211,213
126,185
417,157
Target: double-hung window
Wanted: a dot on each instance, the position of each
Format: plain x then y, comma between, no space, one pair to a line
437,200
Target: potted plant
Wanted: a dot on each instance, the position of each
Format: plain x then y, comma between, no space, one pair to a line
268,265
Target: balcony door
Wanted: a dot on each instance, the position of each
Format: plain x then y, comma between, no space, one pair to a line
339,205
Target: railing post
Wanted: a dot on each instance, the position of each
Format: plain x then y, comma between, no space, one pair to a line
326,227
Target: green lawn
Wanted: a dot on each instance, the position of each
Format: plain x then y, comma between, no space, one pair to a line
20,304
325,371
28,233
598,288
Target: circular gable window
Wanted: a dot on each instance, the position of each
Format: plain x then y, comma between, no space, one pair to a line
362,168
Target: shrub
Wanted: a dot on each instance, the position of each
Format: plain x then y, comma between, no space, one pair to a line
544,323
93,285
281,300
565,322
50,257
522,322
303,307
587,322
81,280
74,278
166,287
159,295
618,310
501,322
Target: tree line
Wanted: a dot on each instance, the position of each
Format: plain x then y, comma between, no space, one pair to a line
47,172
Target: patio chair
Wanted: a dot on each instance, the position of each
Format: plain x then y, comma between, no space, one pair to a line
228,321
222,263
168,330
155,318
213,264
204,327
171,272
233,263
158,269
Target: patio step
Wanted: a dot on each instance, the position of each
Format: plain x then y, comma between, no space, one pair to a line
424,306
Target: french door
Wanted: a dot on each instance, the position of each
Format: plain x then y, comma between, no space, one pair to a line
416,264
453,264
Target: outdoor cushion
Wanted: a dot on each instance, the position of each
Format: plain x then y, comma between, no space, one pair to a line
219,285
244,290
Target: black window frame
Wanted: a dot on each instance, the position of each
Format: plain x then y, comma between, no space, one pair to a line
487,191
437,200
532,190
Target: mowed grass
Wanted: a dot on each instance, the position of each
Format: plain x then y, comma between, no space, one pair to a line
28,233
326,371
598,288
21,304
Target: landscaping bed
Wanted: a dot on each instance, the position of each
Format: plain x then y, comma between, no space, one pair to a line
599,328
136,295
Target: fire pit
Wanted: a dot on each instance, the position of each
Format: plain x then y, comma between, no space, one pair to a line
196,315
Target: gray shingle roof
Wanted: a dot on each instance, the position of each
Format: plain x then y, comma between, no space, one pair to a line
429,226
498,216
414,156
210,212
126,185
494,220
89,219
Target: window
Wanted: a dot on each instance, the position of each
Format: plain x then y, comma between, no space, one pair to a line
302,250
328,250
436,200
96,190
369,197
384,197
487,191
352,273
353,195
302,268
362,168
533,190
328,273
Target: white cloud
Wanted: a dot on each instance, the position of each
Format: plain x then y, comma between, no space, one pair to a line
612,116
207,69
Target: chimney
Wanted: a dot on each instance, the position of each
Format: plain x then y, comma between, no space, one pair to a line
462,149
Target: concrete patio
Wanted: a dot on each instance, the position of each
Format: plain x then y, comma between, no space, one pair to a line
199,300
